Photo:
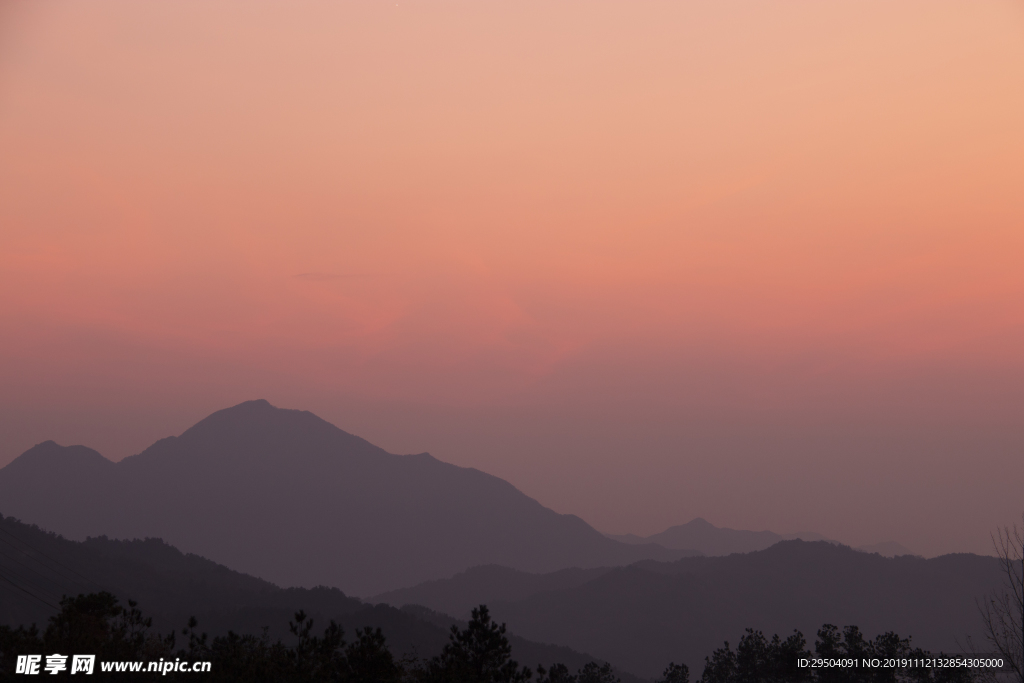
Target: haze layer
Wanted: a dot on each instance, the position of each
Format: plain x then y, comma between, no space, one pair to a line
754,262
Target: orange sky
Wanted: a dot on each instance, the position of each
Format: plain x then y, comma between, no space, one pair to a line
647,261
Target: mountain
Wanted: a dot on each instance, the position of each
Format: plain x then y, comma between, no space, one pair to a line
708,539
652,612
286,496
458,595
886,549
37,568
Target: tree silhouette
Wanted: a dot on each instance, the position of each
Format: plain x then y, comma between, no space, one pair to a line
758,659
1003,611
89,624
478,654
591,672
675,673
370,661
558,673
97,623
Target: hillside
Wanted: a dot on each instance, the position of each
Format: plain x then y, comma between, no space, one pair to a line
37,568
458,595
707,539
652,612
288,497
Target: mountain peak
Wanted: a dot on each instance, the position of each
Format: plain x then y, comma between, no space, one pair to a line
51,455
287,496
258,415
256,407
255,432
255,404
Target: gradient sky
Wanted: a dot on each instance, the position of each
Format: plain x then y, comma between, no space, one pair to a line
760,262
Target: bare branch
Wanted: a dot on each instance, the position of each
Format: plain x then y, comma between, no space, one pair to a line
1002,612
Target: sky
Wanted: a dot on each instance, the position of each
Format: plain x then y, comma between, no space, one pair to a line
758,262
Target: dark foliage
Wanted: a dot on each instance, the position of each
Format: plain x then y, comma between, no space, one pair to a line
174,586
478,654
675,673
645,615
759,660
88,624
592,672
97,624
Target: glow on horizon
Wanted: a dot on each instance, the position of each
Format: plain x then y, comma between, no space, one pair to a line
733,209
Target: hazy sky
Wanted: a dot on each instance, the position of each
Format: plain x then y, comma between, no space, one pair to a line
760,262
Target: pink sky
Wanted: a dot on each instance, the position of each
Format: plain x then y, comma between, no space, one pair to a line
757,262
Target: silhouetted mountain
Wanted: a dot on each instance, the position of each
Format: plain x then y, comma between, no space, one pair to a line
652,612
708,539
458,595
886,549
39,567
286,496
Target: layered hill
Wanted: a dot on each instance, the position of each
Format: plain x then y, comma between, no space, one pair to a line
653,612
706,538
286,496
488,584
37,568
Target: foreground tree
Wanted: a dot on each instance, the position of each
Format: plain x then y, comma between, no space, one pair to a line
313,658
558,673
480,653
675,673
98,624
592,672
1002,612
94,624
370,661
758,659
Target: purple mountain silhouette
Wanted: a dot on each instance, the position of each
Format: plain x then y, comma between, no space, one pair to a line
289,497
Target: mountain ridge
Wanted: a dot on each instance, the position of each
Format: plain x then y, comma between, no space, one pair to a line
289,497
706,538
652,611
170,587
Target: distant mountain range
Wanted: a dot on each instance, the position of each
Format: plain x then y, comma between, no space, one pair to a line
651,612
638,617
707,539
37,568
458,595
285,496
